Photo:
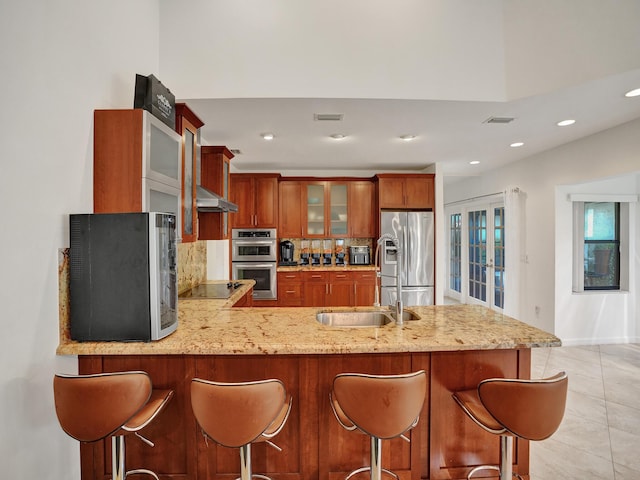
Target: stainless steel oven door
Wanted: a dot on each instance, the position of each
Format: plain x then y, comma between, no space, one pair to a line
264,275
254,250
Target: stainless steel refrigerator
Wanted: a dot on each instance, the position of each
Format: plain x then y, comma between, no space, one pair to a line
414,231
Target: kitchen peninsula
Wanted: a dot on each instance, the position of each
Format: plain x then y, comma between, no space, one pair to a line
456,345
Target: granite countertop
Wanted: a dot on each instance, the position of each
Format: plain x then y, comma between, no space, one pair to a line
212,327
327,268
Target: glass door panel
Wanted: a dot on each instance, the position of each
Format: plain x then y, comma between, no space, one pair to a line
338,202
498,256
315,209
187,193
455,252
478,256
486,249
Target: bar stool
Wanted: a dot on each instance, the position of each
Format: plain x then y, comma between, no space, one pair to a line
94,407
527,409
381,406
236,415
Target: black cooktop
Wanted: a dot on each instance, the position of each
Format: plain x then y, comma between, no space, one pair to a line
211,290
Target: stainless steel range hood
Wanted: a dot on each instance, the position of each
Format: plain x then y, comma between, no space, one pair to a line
207,201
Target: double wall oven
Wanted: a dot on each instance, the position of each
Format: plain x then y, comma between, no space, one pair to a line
254,257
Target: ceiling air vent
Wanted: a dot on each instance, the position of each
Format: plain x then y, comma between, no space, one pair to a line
335,117
235,151
499,120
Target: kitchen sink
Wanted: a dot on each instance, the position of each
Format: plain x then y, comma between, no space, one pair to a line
366,318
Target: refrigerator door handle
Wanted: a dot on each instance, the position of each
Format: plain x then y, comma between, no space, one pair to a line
406,260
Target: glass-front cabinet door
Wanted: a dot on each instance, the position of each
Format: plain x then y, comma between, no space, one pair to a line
315,209
338,209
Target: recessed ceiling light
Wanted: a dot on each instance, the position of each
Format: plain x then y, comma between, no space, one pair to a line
517,144
565,123
633,93
337,136
407,138
268,136
474,162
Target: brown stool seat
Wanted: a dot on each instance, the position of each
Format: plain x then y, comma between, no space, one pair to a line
93,407
528,409
239,414
381,406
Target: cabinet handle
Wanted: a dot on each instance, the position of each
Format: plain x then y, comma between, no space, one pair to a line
341,275
290,291
327,289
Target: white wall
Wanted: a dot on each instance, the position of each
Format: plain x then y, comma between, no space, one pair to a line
612,153
335,49
582,30
60,60
415,49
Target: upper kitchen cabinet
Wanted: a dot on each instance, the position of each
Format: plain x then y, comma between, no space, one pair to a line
316,203
257,198
215,176
293,196
136,164
338,210
327,209
405,191
361,209
187,125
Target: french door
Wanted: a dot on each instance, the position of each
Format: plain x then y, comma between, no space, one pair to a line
476,255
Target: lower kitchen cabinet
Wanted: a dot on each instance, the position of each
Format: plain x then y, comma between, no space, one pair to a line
445,444
246,300
364,284
290,291
340,289
316,285
326,288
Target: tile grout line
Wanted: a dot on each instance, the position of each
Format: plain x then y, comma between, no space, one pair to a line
606,412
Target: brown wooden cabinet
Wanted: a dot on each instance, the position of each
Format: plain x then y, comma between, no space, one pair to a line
363,288
246,300
290,210
327,209
405,191
257,198
187,125
337,288
290,289
136,164
361,209
215,176
340,291
445,444
316,286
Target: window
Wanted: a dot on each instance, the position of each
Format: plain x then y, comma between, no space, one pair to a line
601,241
601,246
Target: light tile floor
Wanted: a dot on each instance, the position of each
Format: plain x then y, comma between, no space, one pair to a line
599,438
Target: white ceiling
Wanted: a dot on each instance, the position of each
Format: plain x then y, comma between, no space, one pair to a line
451,133
437,69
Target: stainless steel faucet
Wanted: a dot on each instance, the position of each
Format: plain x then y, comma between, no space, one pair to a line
398,314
